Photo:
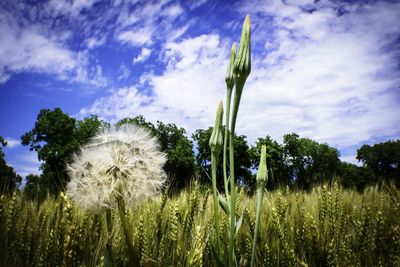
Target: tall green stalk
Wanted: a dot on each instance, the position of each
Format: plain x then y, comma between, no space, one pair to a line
230,83
216,146
133,254
242,68
261,179
108,261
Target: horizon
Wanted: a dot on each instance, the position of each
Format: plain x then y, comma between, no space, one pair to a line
327,70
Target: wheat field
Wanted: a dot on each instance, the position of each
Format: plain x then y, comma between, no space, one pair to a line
328,226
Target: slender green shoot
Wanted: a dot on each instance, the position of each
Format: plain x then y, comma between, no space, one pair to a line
216,142
261,179
241,70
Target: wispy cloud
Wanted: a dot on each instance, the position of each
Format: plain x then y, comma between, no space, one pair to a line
137,37
11,142
30,44
325,70
334,72
93,42
186,93
123,72
144,55
27,50
24,162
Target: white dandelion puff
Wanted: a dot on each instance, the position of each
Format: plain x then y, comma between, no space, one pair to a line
117,163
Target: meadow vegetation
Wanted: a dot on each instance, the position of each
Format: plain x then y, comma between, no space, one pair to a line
328,226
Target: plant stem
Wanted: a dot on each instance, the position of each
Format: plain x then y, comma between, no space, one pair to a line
132,252
214,184
224,156
260,194
109,256
232,215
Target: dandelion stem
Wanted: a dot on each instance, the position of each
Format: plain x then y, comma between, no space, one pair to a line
133,253
109,257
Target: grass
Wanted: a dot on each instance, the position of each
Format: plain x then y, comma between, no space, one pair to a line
328,226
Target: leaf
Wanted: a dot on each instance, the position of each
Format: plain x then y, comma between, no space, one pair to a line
214,252
223,204
238,224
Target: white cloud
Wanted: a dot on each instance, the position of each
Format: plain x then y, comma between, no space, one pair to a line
137,26
69,7
123,72
29,49
187,93
93,42
175,34
23,161
120,104
328,77
11,142
172,11
331,72
136,37
143,56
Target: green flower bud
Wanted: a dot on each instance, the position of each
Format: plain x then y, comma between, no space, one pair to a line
262,174
216,139
242,66
230,77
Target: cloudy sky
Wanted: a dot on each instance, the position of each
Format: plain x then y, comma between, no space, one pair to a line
328,70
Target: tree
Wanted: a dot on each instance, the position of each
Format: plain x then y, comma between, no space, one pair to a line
140,121
181,161
9,180
383,159
32,188
55,137
242,157
278,171
309,162
353,176
180,165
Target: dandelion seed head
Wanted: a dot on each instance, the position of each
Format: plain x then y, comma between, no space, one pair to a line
119,162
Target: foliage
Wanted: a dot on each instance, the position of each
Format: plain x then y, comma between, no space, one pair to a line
32,188
55,137
353,176
203,157
309,162
275,161
328,226
383,159
9,179
180,165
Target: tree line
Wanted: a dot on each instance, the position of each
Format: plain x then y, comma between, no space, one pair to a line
298,162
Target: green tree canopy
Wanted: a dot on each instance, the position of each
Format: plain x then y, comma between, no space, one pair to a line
353,176
242,157
32,188
309,162
9,180
383,159
55,137
278,171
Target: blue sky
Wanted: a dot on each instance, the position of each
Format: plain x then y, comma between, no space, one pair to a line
328,70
